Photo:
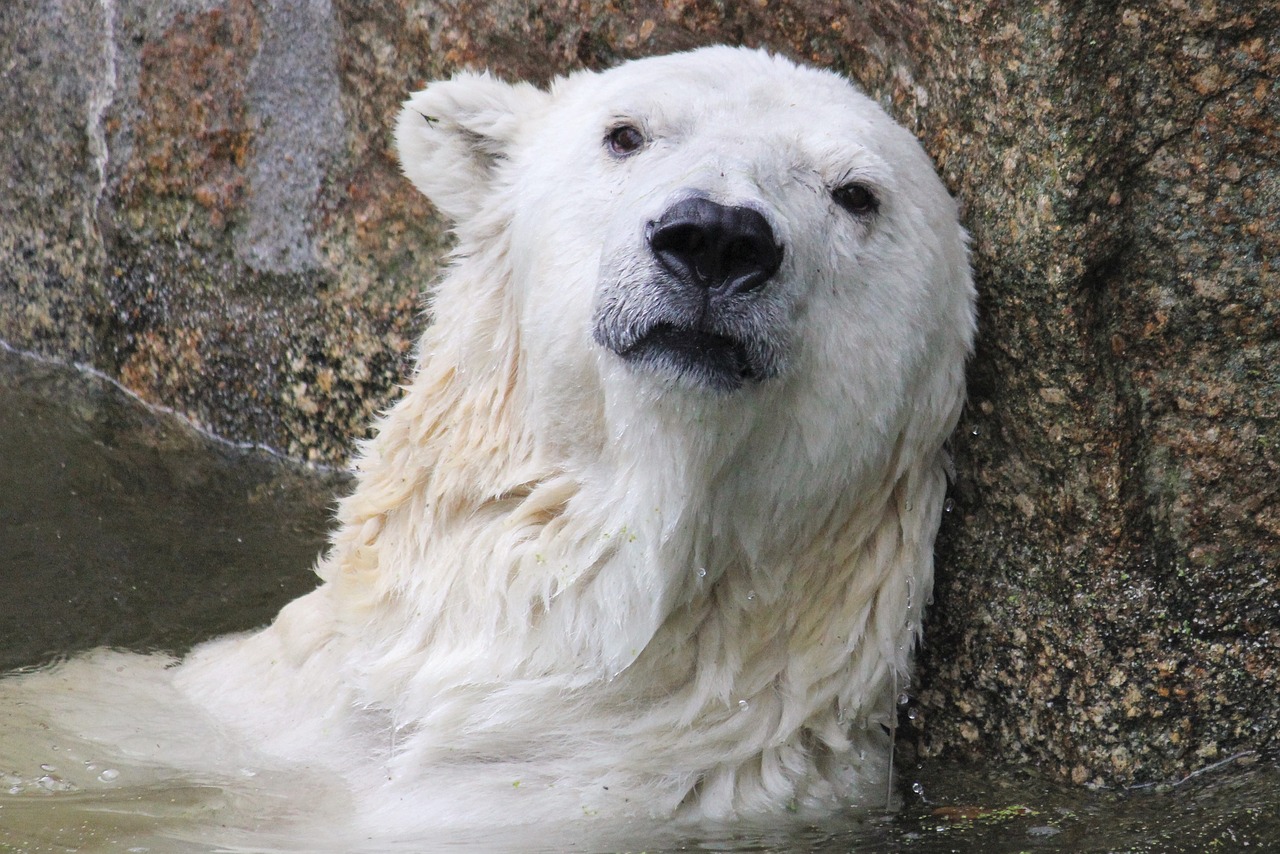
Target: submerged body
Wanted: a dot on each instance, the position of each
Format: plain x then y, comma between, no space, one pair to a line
650,532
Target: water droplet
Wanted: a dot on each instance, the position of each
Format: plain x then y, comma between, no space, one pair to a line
702,572
54,783
108,775
912,714
751,596
48,768
904,698
948,506
974,431
742,705
918,788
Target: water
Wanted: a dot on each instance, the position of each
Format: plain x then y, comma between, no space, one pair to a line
121,526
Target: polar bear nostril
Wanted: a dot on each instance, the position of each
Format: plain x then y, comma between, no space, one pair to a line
726,249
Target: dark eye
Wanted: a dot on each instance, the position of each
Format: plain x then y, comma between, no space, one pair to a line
624,140
857,199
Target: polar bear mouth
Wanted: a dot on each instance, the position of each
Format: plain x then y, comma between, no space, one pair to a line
705,358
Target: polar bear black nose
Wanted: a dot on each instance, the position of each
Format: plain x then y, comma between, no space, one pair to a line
724,249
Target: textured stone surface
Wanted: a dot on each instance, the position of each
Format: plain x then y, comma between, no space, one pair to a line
1109,596
201,200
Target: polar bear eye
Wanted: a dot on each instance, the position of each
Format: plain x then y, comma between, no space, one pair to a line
624,140
857,199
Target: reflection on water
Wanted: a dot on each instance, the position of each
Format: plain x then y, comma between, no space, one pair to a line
124,527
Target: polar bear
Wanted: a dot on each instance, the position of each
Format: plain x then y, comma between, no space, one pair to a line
650,531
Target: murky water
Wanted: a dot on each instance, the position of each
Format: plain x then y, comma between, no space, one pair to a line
124,527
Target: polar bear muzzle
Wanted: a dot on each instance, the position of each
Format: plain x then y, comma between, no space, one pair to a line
704,317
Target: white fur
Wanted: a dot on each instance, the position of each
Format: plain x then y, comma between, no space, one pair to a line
567,587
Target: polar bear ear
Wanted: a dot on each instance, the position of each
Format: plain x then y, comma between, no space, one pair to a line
451,135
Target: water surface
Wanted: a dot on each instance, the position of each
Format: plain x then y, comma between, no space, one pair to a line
124,526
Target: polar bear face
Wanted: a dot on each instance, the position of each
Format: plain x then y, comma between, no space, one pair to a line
704,226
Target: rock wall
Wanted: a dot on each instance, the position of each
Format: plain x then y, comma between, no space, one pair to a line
201,200
1109,597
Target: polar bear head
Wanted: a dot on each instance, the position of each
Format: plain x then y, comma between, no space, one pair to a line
703,226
